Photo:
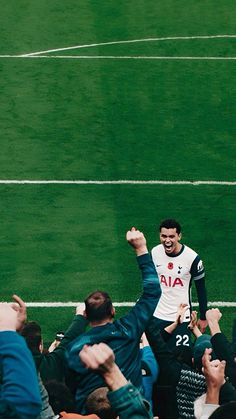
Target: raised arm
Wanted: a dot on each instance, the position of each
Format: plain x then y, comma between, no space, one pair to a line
170,368
143,310
193,325
221,346
198,274
124,398
78,326
19,380
214,374
20,307
101,359
179,318
137,240
213,317
202,300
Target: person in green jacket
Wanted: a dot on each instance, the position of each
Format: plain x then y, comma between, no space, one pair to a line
122,335
123,398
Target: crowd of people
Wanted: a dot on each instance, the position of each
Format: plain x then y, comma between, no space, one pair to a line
155,362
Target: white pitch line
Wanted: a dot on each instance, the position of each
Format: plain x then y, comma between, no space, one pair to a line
118,182
117,304
116,57
168,38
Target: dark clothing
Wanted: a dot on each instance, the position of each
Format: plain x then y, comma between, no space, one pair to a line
202,297
180,337
234,334
188,384
224,350
123,336
128,403
46,411
52,365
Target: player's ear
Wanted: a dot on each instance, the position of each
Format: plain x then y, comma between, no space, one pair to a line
180,236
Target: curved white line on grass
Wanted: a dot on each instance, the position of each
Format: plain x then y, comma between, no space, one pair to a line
118,182
116,57
117,304
132,41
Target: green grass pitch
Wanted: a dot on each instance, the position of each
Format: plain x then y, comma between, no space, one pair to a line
111,119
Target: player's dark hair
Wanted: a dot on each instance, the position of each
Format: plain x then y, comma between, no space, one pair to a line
32,334
98,306
170,223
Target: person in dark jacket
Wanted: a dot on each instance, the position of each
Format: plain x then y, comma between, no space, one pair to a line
53,365
188,383
223,349
120,399
123,335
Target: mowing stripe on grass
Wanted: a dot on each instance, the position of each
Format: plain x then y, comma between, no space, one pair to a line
118,182
167,38
117,304
114,57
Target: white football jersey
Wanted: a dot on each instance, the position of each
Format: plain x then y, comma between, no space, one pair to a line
175,274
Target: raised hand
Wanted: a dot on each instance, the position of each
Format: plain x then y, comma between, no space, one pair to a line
8,317
98,357
181,312
20,307
101,359
137,240
213,314
214,372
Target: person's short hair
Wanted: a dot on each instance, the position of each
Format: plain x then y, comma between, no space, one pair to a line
98,403
31,331
170,223
98,306
225,411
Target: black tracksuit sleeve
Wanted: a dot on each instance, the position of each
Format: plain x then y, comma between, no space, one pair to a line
202,297
224,351
170,368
